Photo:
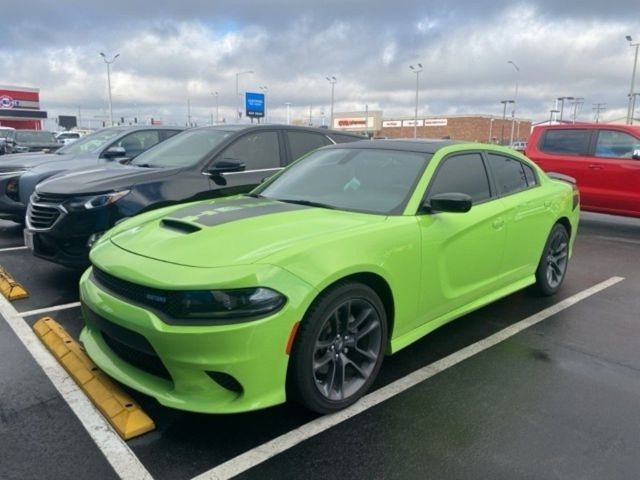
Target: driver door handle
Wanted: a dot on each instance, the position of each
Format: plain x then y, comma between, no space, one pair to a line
497,224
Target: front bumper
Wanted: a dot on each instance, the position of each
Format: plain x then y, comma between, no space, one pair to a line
252,353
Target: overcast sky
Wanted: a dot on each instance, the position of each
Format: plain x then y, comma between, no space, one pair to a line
174,51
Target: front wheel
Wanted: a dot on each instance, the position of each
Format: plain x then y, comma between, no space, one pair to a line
339,348
555,258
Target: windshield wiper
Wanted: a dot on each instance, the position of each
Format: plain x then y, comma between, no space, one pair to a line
254,195
308,203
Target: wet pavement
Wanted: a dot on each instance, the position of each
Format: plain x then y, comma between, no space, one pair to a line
558,400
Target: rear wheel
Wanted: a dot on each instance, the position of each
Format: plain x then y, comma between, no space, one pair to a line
339,348
555,258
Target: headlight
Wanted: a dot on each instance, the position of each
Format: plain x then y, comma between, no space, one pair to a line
12,189
89,202
220,304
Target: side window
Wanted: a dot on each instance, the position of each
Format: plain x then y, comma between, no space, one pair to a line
462,174
346,138
509,174
165,134
614,144
530,175
137,142
255,150
301,143
567,141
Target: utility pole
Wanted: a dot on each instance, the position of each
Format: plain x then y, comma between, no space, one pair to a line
366,120
109,62
332,81
515,99
562,99
417,69
238,111
597,108
215,94
188,112
288,105
633,80
577,102
504,117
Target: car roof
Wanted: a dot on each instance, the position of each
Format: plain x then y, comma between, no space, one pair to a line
409,145
268,126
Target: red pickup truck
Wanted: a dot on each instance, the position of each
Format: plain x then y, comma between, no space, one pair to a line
603,158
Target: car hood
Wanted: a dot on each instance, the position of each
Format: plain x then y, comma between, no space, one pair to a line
236,231
21,161
104,179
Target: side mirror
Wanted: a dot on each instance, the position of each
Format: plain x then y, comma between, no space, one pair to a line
225,166
636,154
448,202
114,152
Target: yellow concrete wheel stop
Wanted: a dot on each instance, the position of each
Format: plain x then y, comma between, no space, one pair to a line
10,288
124,414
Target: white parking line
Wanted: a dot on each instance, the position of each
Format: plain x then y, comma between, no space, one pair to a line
11,249
264,452
116,451
55,308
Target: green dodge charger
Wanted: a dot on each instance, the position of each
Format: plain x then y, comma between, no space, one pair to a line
299,289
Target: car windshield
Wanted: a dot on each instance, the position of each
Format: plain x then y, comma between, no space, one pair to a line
4,133
364,180
91,142
185,149
35,137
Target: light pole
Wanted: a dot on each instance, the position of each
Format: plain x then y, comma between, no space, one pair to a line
238,112
577,102
515,98
633,79
265,90
109,62
504,117
288,105
562,99
417,69
332,81
633,106
551,112
491,120
215,94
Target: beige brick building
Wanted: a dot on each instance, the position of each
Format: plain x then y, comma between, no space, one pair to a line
475,128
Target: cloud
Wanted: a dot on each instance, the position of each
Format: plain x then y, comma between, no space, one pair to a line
174,52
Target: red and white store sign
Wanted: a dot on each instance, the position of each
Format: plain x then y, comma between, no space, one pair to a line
23,98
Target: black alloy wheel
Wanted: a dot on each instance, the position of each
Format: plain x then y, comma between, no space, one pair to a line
553,265
339,348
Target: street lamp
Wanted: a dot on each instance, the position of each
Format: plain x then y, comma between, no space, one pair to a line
215,94
551,112
109,62
238,111
332,81
264,89
515,98
633,79
288,105
562,99
577,102
504,117
417,69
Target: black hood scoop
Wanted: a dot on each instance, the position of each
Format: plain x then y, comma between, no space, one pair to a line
180,226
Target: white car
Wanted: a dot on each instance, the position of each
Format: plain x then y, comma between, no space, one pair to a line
67,137
4,132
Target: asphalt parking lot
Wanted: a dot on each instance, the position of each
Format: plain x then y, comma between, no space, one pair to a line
558,397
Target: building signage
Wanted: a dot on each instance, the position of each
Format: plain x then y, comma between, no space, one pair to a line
391,123
254,104
354,123
7,102
435,122
412,123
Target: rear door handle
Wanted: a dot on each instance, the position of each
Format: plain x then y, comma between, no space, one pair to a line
497,224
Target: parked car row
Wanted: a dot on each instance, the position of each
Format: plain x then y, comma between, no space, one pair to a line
225,276
23,141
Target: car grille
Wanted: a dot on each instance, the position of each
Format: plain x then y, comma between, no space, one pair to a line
43,210
130,346
163,300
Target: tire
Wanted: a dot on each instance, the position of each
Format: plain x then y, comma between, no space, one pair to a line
554,261
330,367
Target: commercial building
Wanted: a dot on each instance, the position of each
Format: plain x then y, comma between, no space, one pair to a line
20,108
475,128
